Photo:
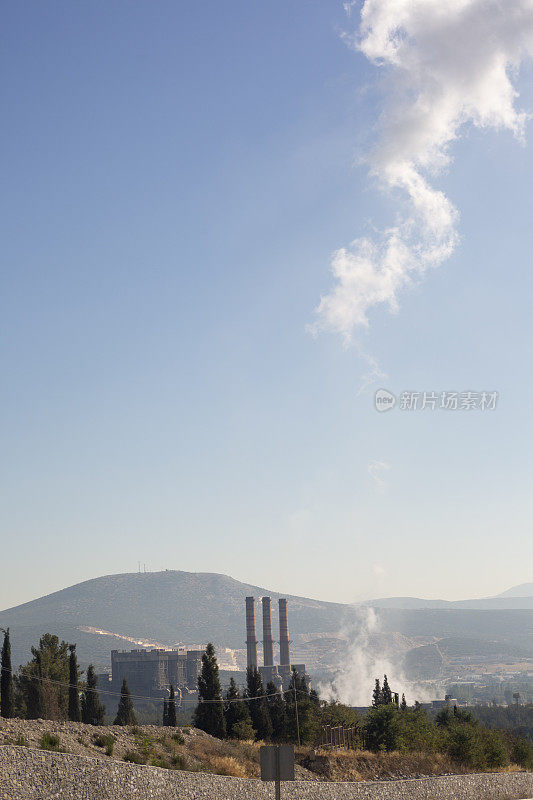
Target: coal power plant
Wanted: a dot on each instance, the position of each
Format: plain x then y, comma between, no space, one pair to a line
279,674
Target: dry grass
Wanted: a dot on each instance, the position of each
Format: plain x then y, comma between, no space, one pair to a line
228,765
211,753
361,765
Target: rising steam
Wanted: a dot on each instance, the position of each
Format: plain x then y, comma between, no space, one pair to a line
366,660
445,65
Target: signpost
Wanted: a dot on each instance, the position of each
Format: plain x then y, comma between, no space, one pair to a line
277,764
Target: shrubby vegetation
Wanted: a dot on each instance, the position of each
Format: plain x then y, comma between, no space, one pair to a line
49,686
389,726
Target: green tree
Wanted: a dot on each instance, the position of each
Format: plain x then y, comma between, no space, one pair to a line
376,694
209,713
74,712
464,746
417,731
335,713
42,684
277,712
494,749
92,711
125,712
302,713
257,705
7,701
386,694
382,728
171,708
236,714
522,753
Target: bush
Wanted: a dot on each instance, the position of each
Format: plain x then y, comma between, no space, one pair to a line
133,757
49,741
20,741
417,733
160,761
243,730
145,745
177,761
522,753
382,729
105,740
494,750
463,745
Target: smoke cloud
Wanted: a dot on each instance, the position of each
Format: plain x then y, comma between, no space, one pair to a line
445,65
367,659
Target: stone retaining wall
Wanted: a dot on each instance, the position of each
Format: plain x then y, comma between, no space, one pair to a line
27,774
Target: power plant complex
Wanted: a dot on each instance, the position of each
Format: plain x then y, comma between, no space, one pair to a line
150,673
278,674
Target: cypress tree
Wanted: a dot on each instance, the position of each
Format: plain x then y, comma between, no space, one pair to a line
277,712
125,712
209,713
171,708
386,694
74,713
34,694
376,694
258,705
92,711
302,712
7,704
236,714
43,683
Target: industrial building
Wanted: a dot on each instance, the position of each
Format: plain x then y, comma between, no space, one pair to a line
149,673
279,674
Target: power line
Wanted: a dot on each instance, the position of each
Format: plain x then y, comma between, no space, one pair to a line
112,693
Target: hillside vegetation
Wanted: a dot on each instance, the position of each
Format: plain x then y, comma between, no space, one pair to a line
194,750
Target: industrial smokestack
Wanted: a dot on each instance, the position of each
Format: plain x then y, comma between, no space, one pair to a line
251,639
268,642
284,654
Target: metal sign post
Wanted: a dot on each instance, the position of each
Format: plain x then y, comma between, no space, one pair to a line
277,764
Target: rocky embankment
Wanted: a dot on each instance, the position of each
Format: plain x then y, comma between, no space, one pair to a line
192,750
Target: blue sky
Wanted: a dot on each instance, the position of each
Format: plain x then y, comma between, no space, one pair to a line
175,179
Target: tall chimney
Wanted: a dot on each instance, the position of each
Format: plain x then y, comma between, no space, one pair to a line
284,655
268,642
251,639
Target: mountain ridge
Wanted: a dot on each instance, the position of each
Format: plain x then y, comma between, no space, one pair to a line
175,607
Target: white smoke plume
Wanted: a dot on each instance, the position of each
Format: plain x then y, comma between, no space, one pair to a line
364,661
445,65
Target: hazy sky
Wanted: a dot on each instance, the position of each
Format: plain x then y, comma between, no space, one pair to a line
178,181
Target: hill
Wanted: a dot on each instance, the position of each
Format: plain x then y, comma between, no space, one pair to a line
522,590
174,607
157,608
517,597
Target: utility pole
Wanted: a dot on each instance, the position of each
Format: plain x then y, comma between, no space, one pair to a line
296,706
